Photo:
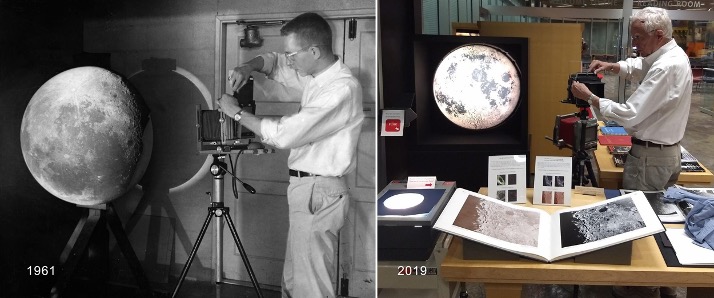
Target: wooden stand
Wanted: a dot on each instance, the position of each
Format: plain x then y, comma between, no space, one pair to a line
620,254
477,251
76,247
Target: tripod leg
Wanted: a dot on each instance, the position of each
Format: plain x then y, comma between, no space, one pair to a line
193,252
76,246
128,251
243,254
591,173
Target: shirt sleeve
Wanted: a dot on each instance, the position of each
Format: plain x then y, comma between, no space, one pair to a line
326,113
285,84
649,97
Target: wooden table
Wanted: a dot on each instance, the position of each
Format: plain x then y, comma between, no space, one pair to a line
610,176
505,278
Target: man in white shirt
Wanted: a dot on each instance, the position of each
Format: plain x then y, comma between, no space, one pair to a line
655,115
322,138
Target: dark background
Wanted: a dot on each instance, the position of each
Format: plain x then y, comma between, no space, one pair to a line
38,39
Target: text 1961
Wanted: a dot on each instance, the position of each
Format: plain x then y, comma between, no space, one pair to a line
41,270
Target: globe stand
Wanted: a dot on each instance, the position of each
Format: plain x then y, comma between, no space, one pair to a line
217,209
97,215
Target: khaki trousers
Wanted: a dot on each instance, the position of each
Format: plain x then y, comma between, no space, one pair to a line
651,167
317,208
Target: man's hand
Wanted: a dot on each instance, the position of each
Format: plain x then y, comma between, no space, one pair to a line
239,75
229,105
580,91
597,66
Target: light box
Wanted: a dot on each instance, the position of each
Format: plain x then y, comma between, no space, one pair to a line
405,217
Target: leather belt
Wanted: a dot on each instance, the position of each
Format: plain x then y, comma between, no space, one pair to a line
298,174
650,144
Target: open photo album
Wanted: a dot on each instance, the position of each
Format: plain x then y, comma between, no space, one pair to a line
533,233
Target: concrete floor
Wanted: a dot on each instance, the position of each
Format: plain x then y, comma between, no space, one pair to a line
698,140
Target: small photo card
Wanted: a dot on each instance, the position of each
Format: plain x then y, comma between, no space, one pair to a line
507,178
552,181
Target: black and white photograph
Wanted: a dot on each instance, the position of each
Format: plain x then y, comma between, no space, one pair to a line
512,179
666,211
598,223
142,138
512,195
547,180
559,181
500,180
501,195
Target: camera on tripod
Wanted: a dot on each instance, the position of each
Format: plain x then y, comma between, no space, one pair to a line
591,80
218,134
578,131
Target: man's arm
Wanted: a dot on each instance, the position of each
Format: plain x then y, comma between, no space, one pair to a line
239,75
229,105
331,110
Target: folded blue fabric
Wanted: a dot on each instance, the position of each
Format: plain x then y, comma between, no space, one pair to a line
699,224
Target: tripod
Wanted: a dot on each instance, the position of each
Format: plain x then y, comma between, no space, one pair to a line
581,160
581,157
217,209
97,217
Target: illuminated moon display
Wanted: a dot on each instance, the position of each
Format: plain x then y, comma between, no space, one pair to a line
477,86
403,201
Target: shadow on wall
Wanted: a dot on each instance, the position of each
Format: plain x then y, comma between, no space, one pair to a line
170,139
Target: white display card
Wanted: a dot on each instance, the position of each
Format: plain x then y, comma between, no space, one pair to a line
552,181
507,178
421,182
392,123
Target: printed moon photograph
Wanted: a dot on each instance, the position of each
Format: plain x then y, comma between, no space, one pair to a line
477,86
81,135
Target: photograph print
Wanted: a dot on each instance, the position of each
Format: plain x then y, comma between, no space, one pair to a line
559,198
498,221
511,179
659,205
547,197
512,195
560,181
547,180
667,212
501,180
501,195
600,222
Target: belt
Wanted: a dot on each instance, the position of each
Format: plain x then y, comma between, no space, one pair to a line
637,141
298,174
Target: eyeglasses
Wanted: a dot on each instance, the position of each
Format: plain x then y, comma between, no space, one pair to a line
291,55
637,37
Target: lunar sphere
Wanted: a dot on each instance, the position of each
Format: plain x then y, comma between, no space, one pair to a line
81,135
477,86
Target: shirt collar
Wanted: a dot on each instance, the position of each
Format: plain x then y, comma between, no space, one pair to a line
659,52
327,74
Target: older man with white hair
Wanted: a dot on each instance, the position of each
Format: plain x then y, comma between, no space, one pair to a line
655,115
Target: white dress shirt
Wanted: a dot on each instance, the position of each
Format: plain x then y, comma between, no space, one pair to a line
322,136
658,110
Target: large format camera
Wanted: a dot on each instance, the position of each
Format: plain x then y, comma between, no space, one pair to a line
219,134
578,131
591,80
